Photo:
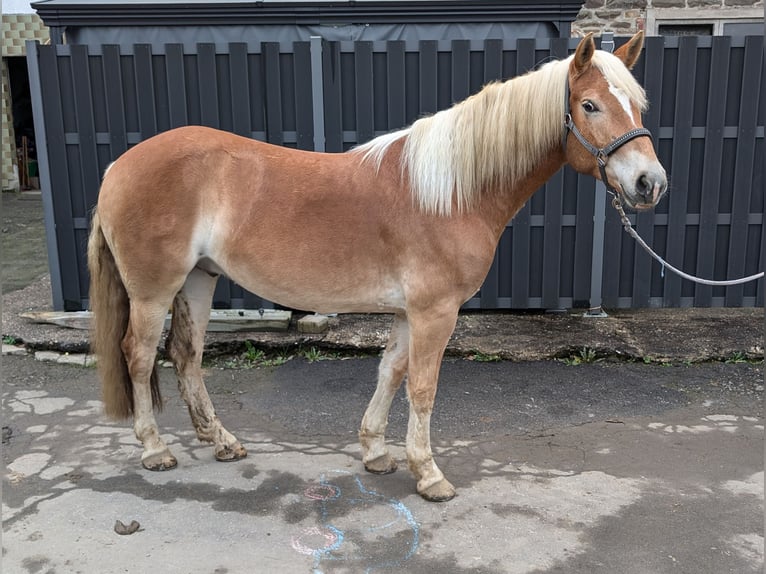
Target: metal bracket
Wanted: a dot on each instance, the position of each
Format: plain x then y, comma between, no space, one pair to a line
595,313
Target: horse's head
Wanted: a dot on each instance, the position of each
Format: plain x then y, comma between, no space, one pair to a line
605,137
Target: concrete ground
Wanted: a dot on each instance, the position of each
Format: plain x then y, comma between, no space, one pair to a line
639,450
594,468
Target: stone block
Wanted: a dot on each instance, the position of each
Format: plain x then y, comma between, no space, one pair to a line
313,324
627,4
52,356
13,350
669,3
79,359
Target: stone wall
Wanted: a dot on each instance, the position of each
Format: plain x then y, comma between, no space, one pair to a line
625,17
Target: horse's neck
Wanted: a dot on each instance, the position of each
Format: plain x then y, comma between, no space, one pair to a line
499,205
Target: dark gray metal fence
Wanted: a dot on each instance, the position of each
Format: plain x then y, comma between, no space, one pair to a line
560,251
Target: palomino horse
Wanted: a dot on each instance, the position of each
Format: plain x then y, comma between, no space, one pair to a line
406,224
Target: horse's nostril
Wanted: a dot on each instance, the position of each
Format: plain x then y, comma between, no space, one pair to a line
644,185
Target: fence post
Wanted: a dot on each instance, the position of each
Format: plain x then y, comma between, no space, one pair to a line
38,112
317,92
599,226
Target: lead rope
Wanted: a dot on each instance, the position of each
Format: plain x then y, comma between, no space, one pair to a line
617,204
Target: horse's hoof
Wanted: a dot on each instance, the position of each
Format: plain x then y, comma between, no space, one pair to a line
160,461
382,465
441,491
230,454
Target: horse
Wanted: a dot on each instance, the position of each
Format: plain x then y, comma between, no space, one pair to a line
406,224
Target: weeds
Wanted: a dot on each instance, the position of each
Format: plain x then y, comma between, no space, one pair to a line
253,357
312,355
9,340
585,356
736,358
480,357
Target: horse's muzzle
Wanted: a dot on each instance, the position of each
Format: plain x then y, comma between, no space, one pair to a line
647,191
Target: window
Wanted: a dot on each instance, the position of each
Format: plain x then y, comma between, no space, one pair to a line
685,29
704,22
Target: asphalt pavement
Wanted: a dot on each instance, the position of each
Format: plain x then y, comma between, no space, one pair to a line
630,444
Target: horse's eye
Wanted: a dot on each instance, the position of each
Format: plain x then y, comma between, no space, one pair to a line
589,106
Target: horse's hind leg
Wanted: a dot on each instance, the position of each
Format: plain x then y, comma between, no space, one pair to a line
139,347
391,371
191,313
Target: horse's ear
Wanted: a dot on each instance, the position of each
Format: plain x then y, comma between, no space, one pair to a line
583,54
630,52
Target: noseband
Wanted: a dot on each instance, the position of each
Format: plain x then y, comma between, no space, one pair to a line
601,154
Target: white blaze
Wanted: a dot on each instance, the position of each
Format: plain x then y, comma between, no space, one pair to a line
624,100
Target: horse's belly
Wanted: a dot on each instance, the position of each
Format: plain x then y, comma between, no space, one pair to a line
319,289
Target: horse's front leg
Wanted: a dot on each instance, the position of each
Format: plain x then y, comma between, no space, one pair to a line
391,371
185,345
429,333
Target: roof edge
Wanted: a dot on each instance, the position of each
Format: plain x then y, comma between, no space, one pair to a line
81,14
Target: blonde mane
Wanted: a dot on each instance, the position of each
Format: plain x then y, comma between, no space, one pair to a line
495,137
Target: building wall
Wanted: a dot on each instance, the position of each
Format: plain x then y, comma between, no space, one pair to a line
626,17
16,30
10,179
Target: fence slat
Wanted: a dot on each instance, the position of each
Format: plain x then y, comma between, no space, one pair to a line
142,61
493,63
365,114
521,222
86,130
554,205
115,104
586,199
685,81
711,170
54,100
743,168
304,113
461,64
493,60
272,80
396,97
645,222
174,69
428,76
240,89
332,96
208,85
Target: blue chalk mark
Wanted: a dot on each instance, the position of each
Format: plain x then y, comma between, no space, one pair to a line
401,512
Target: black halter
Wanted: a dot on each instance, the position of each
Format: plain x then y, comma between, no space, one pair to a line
601,154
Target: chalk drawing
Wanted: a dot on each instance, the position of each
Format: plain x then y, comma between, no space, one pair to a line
326,541
332,538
